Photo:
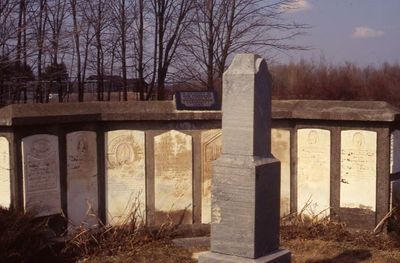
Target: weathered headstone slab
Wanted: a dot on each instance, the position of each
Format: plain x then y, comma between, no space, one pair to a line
41,174
173,177
358,169
5,185
281,150
211,147
125,175
82,190
313,171
395,151
246,179
395,167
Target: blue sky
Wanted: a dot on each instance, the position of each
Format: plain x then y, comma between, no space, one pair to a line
365,32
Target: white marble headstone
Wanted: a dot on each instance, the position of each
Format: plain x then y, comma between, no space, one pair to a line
41,174
5,187
395,151
82,190
210,150
313,171
280,148
358,169
125,176
173,177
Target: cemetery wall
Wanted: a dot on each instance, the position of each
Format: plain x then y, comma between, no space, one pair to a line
102,160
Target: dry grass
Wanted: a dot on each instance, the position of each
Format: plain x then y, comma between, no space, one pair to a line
24,238
310,239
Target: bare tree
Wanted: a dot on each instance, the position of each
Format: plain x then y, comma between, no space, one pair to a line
123,17
171,22
40,22
223,27
97,17
8,26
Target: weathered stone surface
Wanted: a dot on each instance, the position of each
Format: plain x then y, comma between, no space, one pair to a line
358,169
5,185
281,150
395,194
211,147
247,113
125,175
246,179
245,208
313,171
82,190
395,151
279,256
41,174
173,177
335,110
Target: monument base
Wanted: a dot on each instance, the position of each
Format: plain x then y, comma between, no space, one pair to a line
279,256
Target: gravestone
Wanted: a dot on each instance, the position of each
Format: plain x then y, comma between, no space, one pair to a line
41,174
358,169
246,179
5,187
395,152
313,171
82,179
395,168
125,176
210,151
280,148
173,177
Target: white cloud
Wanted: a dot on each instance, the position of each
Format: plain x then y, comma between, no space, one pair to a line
297,5
366,32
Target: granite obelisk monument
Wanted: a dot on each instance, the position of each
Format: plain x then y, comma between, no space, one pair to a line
246,178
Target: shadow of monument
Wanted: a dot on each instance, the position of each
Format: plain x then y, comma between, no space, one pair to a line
348,256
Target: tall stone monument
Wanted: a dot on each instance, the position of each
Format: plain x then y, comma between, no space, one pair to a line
246,178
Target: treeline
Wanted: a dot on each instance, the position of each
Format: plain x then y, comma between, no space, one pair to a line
308,80
156,42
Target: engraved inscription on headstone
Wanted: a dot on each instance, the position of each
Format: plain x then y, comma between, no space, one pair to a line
395,151
41,173
313,171
173,177
5,187
82,178
196,100
125,175
358,169
280,149
210,151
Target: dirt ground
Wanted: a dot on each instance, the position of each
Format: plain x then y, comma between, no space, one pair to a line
25,239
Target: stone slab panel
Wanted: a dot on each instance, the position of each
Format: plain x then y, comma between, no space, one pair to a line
211,146
395,151
280,256
125,175
82,190
5,183
358,169
173,177
245,208
395,193
313,171
41,174
280,148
